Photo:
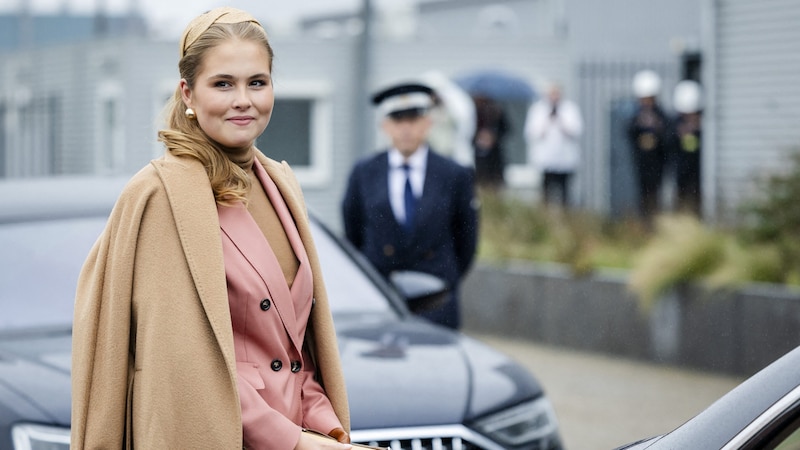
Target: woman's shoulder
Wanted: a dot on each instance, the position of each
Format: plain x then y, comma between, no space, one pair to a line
138,190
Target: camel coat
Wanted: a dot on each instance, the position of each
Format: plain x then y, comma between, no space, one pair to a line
153,361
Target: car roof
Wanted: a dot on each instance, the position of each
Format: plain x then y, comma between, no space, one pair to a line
724,419
25,199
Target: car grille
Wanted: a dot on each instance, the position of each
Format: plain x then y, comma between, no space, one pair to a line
455,437
425,444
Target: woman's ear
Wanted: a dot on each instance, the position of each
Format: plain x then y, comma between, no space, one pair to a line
186,92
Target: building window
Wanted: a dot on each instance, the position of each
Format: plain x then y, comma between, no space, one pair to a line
163,95
288,136
300,131
30,134
109,155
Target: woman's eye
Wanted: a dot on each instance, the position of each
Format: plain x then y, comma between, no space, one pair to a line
259,83
222,84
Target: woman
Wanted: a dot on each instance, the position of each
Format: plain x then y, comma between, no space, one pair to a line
197,308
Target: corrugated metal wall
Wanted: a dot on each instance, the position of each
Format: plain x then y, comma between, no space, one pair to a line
756,93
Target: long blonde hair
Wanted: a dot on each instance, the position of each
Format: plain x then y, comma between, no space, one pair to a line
184,137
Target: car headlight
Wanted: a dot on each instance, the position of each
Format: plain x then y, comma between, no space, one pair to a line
39,437
521,424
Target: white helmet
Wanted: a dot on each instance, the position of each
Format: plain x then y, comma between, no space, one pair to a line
688,97
646,83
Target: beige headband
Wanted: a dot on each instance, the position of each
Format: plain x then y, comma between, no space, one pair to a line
201,23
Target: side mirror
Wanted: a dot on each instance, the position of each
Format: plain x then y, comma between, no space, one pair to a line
422,291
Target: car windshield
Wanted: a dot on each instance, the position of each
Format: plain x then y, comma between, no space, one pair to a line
349,289
41,262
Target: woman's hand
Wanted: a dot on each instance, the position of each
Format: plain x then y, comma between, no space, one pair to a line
340,435
311,441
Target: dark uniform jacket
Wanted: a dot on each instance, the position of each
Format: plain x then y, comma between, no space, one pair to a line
443,238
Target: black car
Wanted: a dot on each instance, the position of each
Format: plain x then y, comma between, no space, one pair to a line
412,385
762,413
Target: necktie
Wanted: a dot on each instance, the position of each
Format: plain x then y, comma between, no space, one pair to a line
409,200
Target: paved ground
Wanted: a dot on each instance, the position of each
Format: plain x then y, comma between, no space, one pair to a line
603,402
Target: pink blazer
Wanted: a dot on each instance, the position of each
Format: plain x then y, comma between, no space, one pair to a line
277,390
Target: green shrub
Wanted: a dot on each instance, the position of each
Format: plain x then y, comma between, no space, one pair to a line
681,250
764,246
513,228
772,218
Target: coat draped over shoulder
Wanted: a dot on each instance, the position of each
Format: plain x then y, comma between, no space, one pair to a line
153,362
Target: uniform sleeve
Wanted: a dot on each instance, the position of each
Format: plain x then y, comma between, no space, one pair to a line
465,225
352,210
101,337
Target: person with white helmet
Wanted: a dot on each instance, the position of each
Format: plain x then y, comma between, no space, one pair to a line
648,133
687,101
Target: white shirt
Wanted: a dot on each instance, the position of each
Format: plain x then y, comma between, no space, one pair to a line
553,141
417,163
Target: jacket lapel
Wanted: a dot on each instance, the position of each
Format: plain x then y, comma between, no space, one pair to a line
427,203
240,227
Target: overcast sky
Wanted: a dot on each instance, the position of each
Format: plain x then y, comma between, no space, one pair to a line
169,17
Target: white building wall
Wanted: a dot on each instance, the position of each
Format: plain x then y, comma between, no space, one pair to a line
755,104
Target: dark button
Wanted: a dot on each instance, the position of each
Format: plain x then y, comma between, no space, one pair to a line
276,365
265,304
296,366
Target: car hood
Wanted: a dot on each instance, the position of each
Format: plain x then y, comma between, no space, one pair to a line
34,375
411,373
399,373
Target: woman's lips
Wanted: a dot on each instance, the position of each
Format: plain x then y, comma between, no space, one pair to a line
241,120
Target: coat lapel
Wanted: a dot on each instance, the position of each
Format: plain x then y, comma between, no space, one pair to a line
195,212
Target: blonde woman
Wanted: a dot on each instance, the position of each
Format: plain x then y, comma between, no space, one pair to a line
198,307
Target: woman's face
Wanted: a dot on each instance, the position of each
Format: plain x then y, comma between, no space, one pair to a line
233,95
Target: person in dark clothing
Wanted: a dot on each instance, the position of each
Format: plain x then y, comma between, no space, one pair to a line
490,131
408,208
687,146
648,134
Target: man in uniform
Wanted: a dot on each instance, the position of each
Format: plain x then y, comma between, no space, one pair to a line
410,208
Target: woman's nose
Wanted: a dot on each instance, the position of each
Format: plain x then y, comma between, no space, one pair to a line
242,99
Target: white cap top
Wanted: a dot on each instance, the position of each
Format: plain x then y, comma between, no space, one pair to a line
405,102
688,97
646,83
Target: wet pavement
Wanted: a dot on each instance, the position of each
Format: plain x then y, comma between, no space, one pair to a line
603,402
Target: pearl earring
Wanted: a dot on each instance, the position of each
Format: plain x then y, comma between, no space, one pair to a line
190,114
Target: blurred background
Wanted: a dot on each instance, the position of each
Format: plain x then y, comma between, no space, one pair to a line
83,81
